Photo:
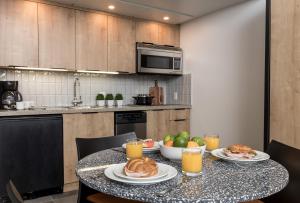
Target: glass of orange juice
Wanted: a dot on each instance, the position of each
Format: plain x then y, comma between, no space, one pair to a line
212,141
192,161
134,148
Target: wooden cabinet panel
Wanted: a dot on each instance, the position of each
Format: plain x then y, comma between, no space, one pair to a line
285,63
157,124
146,31
121,44
178,126
168,34
89,125
179,114
18,33
91,41
56,37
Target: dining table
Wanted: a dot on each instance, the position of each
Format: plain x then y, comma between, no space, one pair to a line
220,181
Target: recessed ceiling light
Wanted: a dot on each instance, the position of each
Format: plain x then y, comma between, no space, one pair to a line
111,7
166,18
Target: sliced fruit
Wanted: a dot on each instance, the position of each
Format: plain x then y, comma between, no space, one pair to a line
180,142
192,144
169,143
199,140
148,143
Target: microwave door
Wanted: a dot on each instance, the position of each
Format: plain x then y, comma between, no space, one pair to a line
156,62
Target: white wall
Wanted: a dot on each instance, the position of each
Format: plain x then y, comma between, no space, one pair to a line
224,52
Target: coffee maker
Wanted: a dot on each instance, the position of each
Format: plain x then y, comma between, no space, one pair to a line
9,95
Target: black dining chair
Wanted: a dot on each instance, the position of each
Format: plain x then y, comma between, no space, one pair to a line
13,193
289,157
87,146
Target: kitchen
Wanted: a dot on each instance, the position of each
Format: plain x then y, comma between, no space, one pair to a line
74,70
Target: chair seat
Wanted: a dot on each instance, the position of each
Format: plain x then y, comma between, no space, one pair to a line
103,198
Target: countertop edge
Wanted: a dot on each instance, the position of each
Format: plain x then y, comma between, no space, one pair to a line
57,110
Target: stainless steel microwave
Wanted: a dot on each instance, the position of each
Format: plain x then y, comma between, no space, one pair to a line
157,59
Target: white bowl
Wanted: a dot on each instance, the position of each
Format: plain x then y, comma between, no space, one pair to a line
175,153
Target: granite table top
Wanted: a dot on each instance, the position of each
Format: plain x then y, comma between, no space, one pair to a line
221,181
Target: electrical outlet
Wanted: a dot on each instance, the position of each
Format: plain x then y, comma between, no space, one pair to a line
175,96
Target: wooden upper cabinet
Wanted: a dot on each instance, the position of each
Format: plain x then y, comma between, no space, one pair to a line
168,34
146,31
91,41
18,33
121,44
56,37
157,33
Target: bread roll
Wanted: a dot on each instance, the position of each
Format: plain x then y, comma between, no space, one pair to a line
141,167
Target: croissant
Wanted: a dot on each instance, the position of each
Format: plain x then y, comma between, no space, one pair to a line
141,167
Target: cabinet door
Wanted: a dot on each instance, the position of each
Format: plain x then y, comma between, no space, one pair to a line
168,34
56,37
91,41
284,73
179,126
121,44
90,125
18,33
146,31
158,124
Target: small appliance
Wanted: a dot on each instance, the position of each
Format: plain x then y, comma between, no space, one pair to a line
158,59
9,95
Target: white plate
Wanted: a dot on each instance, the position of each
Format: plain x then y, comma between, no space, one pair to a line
109,173
162,171
260,156
152,149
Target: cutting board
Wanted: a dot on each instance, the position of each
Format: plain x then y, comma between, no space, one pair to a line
157,93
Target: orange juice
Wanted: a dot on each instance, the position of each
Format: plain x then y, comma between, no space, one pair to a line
191,162
212,142
134,150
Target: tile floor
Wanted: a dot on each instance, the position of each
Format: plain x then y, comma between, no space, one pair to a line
69,197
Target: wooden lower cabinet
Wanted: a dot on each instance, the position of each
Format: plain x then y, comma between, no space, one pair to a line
157,124
83,125
162,122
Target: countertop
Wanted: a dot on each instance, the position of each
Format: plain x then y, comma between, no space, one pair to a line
66,110
221,181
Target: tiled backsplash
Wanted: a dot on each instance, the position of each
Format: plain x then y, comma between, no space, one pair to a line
57,88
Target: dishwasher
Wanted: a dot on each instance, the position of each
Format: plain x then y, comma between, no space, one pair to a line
31,154
131,121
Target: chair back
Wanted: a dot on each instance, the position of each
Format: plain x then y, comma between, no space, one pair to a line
289,157
87,146
13,193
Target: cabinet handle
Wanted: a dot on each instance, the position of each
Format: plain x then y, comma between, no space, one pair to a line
89,112
180,119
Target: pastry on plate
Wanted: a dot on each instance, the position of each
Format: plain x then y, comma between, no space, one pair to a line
240,151
141,167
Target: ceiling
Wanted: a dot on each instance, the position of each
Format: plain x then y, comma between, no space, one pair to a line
179,11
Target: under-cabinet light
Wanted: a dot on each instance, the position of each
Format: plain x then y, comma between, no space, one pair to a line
94,71
41,69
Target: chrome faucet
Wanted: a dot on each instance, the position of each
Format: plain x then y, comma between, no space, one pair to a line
77,98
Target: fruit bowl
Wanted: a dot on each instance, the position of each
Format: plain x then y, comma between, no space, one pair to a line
174,153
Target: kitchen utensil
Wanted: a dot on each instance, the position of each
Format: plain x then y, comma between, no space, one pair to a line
143,99
157,93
